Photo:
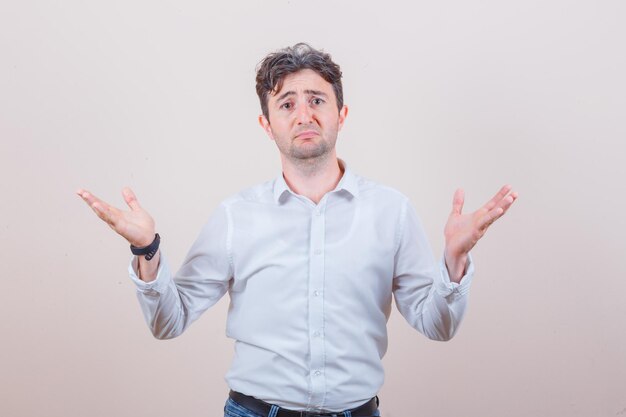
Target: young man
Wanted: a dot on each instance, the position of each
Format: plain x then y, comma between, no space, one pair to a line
310,260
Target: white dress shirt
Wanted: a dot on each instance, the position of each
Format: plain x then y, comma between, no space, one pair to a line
310,289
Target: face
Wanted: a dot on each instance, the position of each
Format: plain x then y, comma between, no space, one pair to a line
303,117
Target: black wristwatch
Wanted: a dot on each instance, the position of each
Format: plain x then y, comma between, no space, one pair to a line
149,250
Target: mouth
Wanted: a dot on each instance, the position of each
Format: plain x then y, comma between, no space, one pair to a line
307,134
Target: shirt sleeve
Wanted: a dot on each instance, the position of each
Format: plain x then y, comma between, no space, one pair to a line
422,289
171,303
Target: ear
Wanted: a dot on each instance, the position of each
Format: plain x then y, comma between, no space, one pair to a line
343,113
265,124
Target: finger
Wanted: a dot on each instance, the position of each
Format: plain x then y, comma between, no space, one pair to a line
497,212
508,201
108,214
498,197
103,210
130,198
457,201
488,219
89,198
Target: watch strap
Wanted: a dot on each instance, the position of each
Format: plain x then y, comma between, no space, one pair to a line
150,250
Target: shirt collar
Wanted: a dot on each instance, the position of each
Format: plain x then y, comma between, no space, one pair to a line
348,182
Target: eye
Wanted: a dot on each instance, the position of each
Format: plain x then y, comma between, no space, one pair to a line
286,105
317,101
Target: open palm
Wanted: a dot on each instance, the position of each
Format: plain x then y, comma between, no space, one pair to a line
462,231
135,225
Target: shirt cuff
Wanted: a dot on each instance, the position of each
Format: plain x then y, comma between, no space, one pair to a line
447,288
161,281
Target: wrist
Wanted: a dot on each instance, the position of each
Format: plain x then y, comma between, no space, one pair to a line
143,241
148,250
456,263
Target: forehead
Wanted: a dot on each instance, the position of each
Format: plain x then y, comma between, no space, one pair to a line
305,79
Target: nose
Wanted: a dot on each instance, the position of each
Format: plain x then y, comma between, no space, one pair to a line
304,114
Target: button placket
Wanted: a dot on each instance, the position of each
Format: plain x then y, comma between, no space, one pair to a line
316,305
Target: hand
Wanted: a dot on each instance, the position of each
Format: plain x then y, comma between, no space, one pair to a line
136,225
463,231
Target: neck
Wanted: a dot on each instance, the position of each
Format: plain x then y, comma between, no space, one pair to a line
314,178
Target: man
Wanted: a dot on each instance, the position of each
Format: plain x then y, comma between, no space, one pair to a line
310,260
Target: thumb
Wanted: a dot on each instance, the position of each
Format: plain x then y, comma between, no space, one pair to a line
457,201
130,198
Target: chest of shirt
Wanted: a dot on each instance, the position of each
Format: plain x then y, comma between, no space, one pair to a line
349,244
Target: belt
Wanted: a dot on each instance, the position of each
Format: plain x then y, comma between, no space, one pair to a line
261,407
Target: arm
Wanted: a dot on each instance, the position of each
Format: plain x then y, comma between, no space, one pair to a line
424,294
170,303
433,299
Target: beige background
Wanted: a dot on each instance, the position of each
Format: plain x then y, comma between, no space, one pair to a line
160,96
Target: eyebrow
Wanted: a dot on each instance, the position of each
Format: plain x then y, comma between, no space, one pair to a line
293,93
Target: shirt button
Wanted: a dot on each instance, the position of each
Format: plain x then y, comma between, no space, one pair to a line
318,213
316,293
318,373
317,251
317,333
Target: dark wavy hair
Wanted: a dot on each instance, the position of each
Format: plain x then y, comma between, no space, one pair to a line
272,70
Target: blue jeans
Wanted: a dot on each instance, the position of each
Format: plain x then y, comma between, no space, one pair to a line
232,409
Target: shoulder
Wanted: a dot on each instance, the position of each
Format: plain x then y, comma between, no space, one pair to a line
383,194
259,193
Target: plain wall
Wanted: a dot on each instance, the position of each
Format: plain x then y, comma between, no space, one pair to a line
159,95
